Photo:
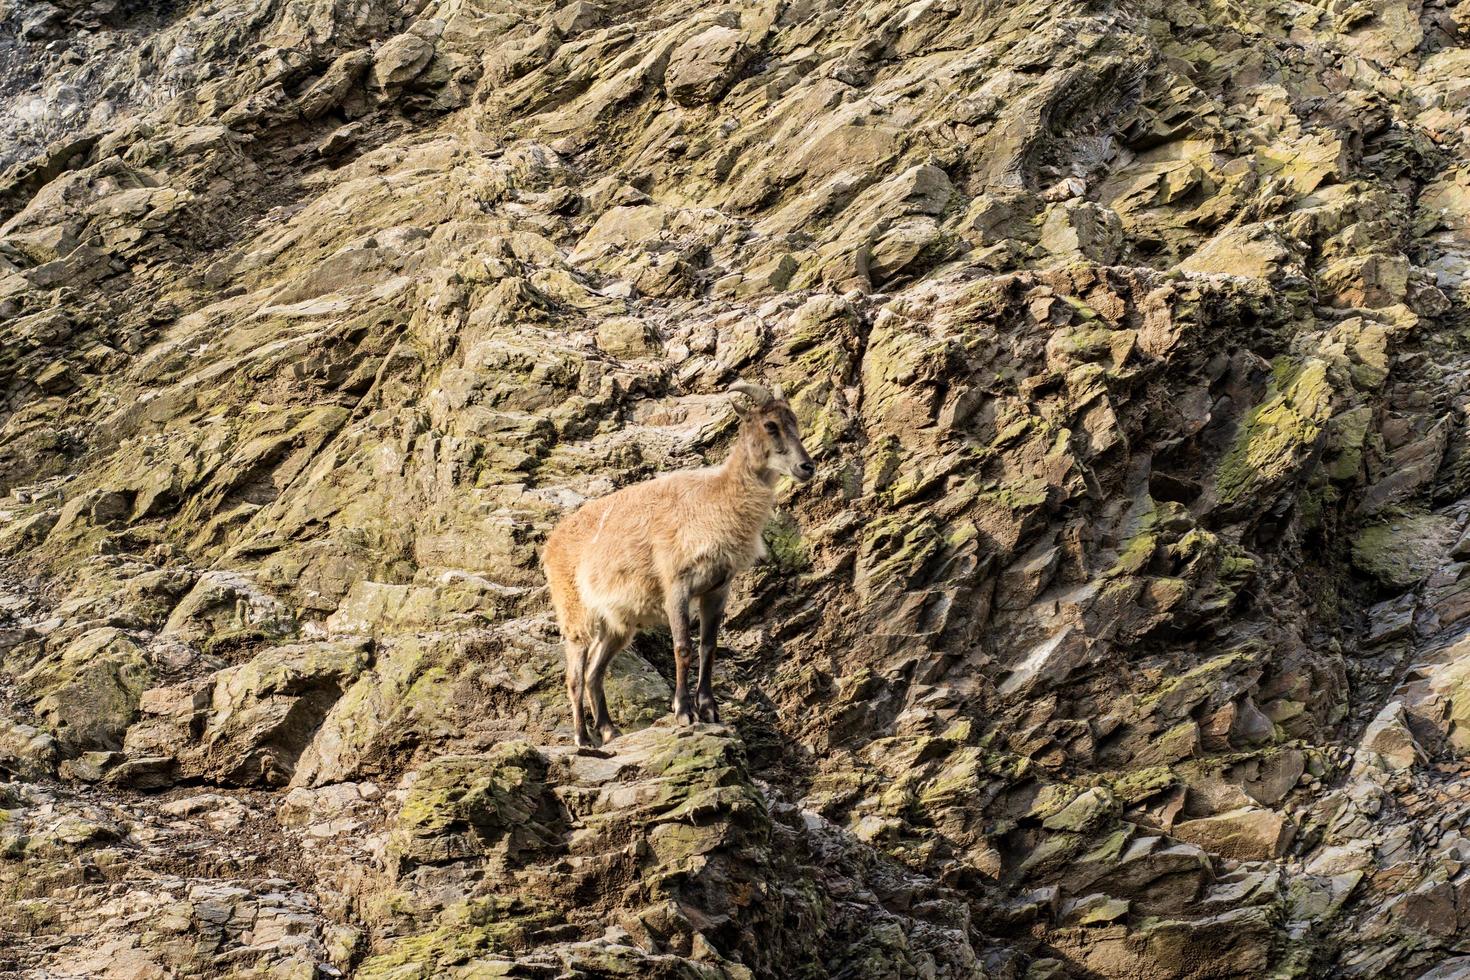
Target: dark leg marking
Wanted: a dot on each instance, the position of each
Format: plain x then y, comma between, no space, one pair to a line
676,605
604,648
711,614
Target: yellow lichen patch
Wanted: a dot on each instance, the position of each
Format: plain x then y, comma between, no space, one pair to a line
1279,435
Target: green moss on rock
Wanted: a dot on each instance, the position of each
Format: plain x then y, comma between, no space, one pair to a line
1278,436
1401,552
469,936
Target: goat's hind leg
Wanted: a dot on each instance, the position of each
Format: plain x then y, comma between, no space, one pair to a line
576,676
607,645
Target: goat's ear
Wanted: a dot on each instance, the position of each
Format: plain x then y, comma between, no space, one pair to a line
777,394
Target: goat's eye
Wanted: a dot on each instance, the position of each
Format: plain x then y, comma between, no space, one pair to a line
772,428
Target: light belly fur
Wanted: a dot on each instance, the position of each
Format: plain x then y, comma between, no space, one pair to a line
623,602
617,601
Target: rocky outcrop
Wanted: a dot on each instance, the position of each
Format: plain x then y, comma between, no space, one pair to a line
1120,634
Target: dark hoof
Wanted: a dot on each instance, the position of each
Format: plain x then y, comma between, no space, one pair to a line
584,741
609,732
684,716
708,712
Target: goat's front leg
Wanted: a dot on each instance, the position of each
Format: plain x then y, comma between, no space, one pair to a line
676,606
711,612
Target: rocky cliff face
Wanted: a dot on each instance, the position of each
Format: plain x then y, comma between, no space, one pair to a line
1123,632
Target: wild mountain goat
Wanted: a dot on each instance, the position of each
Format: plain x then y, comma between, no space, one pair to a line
637,557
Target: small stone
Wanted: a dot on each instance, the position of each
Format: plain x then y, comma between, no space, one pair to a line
576,17
181,700
1065,189
1084,813
1391,620
1094,909
341,141
625,337
148,773
90,767
1388,742
1247,834
400,60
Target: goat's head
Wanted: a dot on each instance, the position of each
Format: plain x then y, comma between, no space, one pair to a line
769,425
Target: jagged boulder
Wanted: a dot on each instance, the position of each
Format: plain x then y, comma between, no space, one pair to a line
704,66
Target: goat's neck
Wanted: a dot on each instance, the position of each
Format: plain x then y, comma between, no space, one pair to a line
748,480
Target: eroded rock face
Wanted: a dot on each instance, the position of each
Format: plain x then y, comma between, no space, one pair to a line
1120,634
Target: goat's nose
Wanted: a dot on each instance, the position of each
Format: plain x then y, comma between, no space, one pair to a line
806,470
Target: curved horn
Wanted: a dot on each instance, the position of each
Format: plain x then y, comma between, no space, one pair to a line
755,393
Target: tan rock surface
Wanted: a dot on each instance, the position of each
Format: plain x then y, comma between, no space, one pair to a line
1120,633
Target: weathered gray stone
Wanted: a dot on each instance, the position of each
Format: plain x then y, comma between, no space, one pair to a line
400,60
1389,743
703,67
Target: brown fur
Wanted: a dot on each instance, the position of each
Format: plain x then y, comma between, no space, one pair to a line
637,557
